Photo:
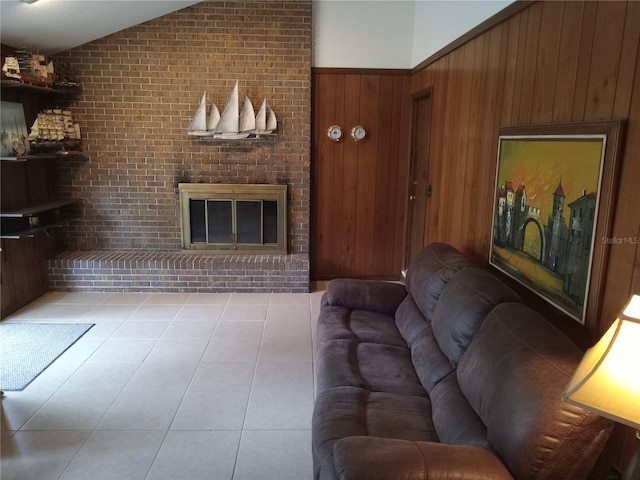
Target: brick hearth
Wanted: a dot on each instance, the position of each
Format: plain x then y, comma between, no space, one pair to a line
177,272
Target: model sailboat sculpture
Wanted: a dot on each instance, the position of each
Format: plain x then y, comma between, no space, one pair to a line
264,125
233,124
200,125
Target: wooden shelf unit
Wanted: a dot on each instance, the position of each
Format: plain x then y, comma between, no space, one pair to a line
32,211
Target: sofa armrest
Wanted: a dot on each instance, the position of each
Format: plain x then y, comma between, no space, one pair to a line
376,458
374,295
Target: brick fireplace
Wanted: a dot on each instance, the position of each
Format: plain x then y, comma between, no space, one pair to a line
140,88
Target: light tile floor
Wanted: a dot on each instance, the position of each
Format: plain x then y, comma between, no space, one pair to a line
168,386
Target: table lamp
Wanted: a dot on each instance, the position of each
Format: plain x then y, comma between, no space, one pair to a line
607,380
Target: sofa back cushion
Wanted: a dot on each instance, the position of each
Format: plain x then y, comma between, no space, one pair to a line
512,375
456,423
463,305
430,271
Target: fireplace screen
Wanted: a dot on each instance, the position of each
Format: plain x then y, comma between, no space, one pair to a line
230,218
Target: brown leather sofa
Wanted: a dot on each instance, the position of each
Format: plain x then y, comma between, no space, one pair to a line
448,377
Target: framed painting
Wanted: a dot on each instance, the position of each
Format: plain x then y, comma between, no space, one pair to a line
13,130
553,208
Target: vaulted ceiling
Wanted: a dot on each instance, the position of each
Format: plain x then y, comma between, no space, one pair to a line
51,26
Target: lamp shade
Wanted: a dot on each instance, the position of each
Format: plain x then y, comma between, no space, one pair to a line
607,381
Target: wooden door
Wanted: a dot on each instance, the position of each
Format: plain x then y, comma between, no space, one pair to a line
419,188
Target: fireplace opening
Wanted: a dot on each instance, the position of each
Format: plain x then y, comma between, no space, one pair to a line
222,218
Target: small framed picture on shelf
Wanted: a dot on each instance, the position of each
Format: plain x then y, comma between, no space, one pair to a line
13,130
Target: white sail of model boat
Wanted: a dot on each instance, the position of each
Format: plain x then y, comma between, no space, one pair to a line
199,125
214,118
265,125
272,121
247,121
229,124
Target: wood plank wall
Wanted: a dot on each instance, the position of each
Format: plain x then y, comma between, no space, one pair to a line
550,62
359,188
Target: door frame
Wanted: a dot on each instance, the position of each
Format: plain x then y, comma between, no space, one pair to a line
417,97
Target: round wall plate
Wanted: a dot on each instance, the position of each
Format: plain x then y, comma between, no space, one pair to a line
358,133
334,133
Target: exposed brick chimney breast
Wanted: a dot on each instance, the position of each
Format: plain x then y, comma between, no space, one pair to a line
141,86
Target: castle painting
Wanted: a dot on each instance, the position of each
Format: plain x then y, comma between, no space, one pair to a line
545,214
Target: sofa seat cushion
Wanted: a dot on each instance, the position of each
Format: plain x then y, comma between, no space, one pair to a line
371,366
347,411
360,325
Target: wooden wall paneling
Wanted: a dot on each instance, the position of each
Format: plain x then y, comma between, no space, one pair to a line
358,186
464,169
498,65
623,257
567,61
439,107
336,227
575,61
326,155
584,60
450,149
349,178
547,63
628,56
519,68
402,196
484,144
386,177
530,64
328,164
368,163
510,72
470,193
605,59
400,166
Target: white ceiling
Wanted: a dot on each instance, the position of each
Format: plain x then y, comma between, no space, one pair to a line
51,26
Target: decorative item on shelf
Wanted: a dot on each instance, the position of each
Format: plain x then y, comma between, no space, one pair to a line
607,381
34,68
358,133
11,68
65,76
13,130
24,59
334,133
233,124
54,130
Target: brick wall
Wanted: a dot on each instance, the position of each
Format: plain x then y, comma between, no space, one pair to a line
141,87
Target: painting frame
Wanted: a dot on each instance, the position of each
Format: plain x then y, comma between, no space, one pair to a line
544,246
13,130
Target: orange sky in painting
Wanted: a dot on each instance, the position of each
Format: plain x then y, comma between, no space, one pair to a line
542,164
